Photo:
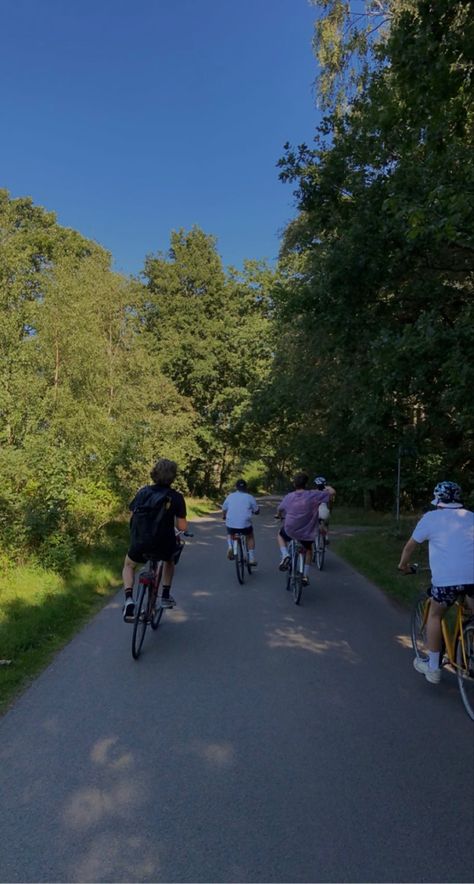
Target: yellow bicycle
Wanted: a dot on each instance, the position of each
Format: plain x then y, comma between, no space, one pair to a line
457,652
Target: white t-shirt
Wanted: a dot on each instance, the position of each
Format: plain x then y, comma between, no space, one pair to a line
239,507
450,533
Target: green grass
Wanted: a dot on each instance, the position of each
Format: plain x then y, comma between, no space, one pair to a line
376,553
40,610
344,515
198,506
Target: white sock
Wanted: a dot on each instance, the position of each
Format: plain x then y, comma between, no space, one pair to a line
230,543
433,657
251,555
284,551
306,570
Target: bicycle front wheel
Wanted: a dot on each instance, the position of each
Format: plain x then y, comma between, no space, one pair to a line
320,550
297,587
418,626
141,620
465,668
239,562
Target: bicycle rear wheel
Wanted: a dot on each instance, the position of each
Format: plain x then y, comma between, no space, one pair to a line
297,577
418,626
140,622
239,562
156,610
465,670
320,550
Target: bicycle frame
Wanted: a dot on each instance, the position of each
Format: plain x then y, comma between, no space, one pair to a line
451,635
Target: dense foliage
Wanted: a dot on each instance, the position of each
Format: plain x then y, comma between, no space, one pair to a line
102,374
376,314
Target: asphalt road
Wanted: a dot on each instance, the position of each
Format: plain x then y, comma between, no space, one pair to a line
254,741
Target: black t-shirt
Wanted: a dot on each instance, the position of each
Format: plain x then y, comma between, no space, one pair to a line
177,508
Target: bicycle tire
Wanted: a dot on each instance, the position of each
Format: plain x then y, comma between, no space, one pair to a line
140,622
297,586
239,562
157,610
466,676
320,550
418,627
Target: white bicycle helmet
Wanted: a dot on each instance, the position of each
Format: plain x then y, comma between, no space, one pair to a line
320,481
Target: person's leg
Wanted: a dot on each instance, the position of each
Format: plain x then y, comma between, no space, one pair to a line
128,576
307,563
282,543
434,637
230,544
431,668
166,599
251,547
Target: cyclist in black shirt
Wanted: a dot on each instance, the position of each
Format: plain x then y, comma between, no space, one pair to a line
166,546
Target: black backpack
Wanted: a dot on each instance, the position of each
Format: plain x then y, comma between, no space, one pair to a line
146,528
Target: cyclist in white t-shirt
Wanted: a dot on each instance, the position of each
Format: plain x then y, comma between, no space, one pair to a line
449,531
238,509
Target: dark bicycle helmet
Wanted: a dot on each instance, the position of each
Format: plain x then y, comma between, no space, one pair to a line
241,484
446,493
320,481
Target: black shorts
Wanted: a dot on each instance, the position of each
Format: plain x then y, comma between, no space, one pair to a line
308,544
248,531
163,552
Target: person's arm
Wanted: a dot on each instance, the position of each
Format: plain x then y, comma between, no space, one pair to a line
255,507
181,522
332,493
407,552
225,507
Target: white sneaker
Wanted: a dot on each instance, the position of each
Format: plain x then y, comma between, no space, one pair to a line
431,675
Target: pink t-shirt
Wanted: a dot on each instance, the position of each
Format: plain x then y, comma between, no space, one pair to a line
301,513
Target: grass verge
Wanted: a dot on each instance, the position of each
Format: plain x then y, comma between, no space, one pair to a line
375,554
41,610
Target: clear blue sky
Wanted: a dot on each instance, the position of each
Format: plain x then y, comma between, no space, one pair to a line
131,118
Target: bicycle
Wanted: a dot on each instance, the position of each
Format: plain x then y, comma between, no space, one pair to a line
147,611
319,548
457,650
241,556
294,583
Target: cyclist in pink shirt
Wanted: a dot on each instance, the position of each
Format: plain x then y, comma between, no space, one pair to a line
300,511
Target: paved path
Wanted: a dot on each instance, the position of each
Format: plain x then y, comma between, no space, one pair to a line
253,741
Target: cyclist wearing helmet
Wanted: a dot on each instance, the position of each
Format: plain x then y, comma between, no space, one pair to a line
325,508
449,531
237,510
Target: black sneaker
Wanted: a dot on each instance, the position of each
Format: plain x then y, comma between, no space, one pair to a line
167,601
129,611
305,581
283,566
